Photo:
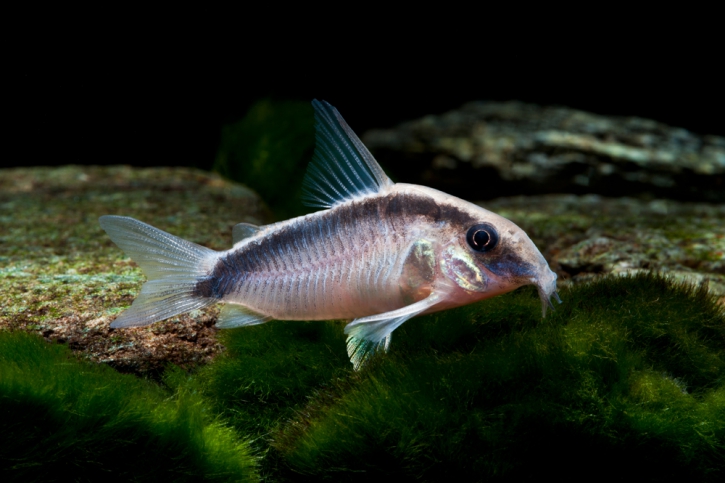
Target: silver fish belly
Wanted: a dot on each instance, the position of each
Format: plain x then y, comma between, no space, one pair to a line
379,254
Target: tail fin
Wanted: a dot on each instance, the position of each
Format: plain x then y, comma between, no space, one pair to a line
172,265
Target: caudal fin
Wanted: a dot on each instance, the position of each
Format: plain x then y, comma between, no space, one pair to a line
172,265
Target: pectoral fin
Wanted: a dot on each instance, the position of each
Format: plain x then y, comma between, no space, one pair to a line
368,335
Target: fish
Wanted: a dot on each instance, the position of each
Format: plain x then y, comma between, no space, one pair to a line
377,254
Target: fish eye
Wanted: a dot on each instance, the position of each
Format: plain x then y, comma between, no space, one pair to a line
482,237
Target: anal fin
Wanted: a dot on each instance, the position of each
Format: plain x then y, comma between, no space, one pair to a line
369,335
233,315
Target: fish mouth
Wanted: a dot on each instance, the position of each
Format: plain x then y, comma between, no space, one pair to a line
547,290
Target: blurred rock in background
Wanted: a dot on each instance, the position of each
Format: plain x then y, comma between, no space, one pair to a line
598,194
485,150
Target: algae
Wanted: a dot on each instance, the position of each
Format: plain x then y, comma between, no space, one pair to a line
627,370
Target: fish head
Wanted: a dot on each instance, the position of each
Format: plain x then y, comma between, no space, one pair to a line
486,255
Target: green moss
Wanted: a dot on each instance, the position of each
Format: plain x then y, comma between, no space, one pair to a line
269,372
627,373
269,149
63,419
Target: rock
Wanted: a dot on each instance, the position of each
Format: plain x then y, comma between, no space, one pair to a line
486,150
586,236
62,277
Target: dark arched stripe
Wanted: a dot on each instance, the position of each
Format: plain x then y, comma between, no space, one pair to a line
281,250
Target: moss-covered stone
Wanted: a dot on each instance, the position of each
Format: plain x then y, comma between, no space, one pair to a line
629,368
61,276
587,236
490,149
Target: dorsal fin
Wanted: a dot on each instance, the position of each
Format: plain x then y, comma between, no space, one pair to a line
244,230
341,167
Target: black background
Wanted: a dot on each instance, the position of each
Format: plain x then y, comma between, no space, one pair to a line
165,105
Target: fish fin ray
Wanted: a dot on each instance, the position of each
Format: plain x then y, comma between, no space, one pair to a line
159,254
361,351
341,167
172,265
370,335
244,230
159,300
232,315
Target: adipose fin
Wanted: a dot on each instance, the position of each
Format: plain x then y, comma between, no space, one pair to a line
244,230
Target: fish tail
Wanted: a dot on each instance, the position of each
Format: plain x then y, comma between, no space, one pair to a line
173,266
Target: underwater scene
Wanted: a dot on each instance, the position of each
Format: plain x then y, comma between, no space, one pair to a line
554,278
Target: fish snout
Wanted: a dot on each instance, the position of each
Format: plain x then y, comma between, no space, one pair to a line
546,285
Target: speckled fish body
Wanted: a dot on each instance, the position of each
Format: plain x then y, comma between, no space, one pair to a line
373,255
379,254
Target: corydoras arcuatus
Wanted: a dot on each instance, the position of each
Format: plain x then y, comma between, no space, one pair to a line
378,254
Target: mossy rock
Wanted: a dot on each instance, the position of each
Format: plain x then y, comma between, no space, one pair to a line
628,371
490,149
65,279
584,237
62,277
